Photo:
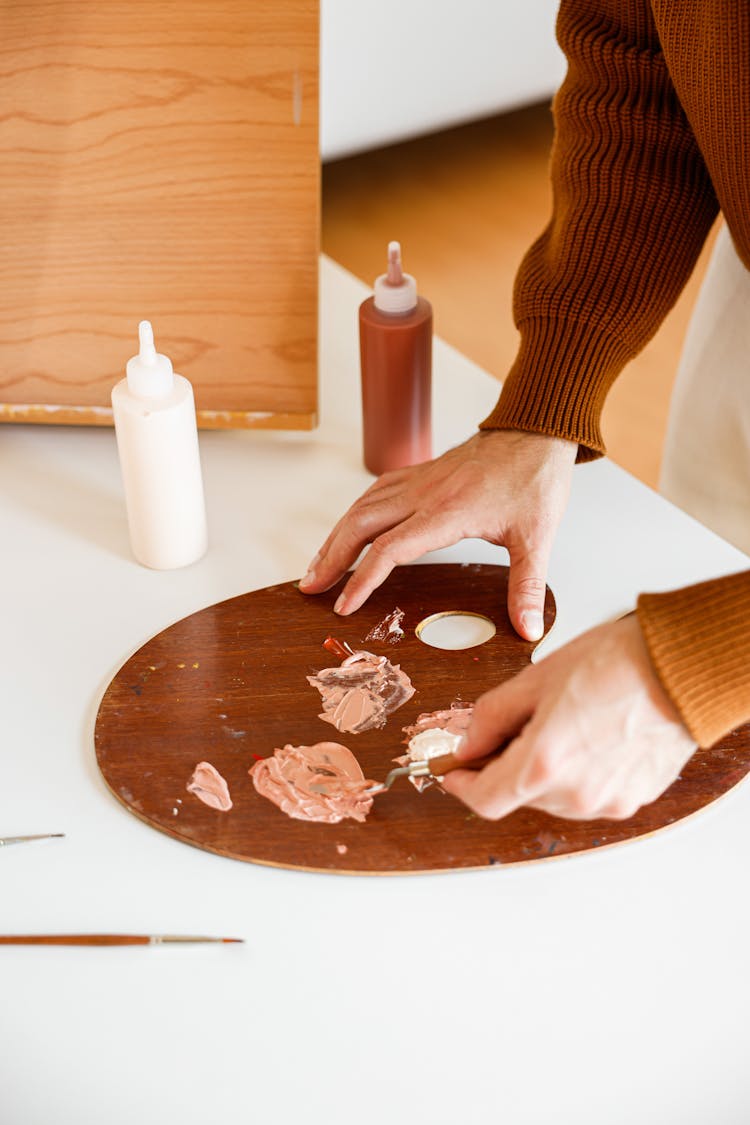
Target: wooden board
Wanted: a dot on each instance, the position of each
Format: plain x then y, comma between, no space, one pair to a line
160,160
229,683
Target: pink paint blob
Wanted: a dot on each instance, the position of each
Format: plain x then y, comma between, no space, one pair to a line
323,783
362,692
209,786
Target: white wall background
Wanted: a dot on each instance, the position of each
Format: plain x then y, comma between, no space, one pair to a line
392,69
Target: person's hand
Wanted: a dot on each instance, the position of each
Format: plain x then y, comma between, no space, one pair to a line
505,486
595,733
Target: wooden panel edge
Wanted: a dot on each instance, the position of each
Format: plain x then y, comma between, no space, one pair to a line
66,415
255,420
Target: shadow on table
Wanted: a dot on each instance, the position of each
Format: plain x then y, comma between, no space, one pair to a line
49,480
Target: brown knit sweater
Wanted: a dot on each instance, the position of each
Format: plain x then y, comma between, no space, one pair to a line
652,140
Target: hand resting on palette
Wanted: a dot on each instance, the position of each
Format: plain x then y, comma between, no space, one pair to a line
596,734
508,487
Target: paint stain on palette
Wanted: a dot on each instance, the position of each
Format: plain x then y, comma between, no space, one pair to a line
210,787
361,692
324,782
389,629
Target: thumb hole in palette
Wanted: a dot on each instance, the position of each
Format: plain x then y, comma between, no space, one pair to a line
454,629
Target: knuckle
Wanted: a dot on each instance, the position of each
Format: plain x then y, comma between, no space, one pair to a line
543,767
487,808
622,808
389,477
381,549
583,803
365,517
530,587
356,517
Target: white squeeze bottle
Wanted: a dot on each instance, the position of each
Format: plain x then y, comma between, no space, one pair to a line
157,440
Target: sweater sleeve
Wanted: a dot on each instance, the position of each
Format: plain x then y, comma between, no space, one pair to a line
699,642
632,206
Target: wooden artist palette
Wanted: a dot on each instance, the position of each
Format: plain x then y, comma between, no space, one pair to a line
228,684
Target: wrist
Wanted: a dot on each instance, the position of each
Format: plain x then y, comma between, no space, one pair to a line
566,448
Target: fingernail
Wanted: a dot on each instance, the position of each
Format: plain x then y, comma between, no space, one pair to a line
457,749
532,624
310,576
340,603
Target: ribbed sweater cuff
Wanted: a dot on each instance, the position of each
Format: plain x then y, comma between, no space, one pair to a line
699,642
558,383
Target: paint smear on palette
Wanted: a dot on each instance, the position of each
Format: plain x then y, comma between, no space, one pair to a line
362,692
323,783
435,733
209,786
389,629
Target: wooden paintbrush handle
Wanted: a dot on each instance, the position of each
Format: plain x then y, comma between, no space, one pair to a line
74,939
446,763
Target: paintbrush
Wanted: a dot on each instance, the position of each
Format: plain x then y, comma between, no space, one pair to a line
438,766
5,840
111,939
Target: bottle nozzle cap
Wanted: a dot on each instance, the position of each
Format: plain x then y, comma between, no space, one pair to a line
395,291
147,353
149,374
395,275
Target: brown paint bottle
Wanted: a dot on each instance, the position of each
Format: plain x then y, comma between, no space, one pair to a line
395,343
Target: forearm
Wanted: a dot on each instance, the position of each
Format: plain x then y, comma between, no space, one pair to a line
699,642
633,204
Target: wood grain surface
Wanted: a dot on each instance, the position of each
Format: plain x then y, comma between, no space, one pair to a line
160,160
227,685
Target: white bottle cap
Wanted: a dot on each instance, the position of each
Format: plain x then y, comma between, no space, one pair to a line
395,291
149,374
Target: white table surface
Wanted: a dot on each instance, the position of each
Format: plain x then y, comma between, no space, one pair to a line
606,988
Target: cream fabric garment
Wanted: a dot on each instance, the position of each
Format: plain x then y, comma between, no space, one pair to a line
706,466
